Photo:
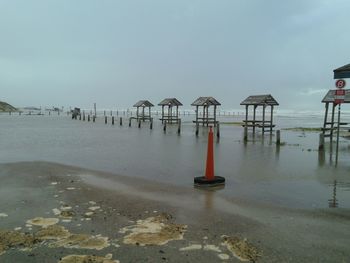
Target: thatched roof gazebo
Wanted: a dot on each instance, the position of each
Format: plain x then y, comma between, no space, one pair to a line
330,98
169,116
205,103
142,115
256,101
342,72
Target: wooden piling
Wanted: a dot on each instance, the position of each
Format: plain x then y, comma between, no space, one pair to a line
164,127
94,118
140,123
245,138
84,117
79,117
112,120
151,124
130,122
121,121
179,127
218,130
278,137
321,142
197,129
105,119
88,118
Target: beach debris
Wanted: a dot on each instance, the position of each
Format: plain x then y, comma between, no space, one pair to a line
87,259
68,214
241,248
70,188
66,207
54,183
13,239
93,208
212,248
89,213
17,228
153,231
3,215
191,247
223,256
56,211
43,222
92,202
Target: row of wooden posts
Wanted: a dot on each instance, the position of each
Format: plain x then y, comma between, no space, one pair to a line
113,120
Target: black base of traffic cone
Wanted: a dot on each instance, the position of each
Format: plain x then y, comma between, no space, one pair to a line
203,181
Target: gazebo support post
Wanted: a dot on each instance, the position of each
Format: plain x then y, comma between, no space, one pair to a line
169,115
332,124
263,120
203,115
254,115
143,114
325,118
207,115
271,119
214,115
177,114
246,114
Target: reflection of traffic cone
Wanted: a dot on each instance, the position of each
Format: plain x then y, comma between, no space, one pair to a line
209,171
209,179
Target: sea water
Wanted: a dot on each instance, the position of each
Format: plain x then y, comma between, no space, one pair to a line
295,174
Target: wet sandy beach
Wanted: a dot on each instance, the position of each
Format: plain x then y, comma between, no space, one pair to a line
111,217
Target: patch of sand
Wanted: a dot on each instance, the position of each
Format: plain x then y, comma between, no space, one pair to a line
153,231
82,241
241,248
14,239
54,232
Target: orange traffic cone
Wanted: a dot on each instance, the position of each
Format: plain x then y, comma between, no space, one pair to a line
209,171
209,179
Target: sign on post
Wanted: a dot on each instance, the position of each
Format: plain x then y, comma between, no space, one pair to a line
339,96
340,83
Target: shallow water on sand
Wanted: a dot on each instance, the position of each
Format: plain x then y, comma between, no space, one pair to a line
293,175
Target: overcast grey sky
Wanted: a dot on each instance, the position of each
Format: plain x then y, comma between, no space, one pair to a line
77,52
